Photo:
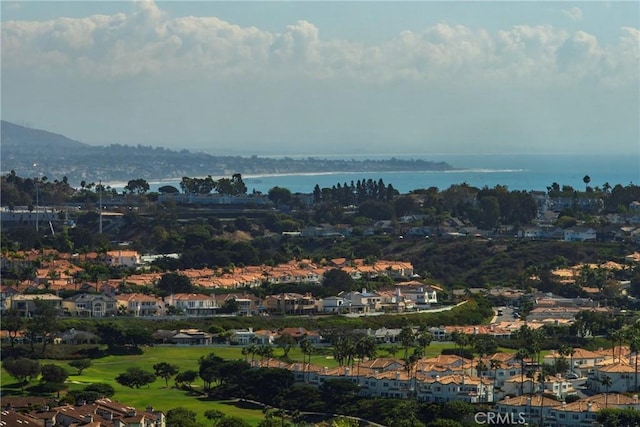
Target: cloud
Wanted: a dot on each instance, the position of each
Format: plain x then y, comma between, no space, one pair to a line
574,13
149,43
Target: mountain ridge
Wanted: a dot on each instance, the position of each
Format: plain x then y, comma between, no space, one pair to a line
36,152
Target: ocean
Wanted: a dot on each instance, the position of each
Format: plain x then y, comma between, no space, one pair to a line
516,171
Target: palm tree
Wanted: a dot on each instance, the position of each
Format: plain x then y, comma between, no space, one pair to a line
615,335
495,364
460,339
407,338
365,347
307,350
522,355
634,344
542,378
606,382
480,368
424,339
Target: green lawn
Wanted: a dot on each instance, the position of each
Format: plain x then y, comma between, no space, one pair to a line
104,370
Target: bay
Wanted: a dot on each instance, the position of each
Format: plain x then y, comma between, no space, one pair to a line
516,171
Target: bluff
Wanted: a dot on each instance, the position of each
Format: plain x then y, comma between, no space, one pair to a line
33,152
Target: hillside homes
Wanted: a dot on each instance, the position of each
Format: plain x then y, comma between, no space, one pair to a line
101,413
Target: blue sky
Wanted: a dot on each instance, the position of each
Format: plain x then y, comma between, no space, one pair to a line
328,77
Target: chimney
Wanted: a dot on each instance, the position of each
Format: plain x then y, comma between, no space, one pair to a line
589,407
346,371
150,409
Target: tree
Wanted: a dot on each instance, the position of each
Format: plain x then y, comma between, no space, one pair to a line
12,323
139,186
424,338
165,370
22,369
51,373
43,323
460,339
307,350
337,280
231,421
214,415
495,364
102,389
522,355
285,342
80,364
606,382
187,378
209,368
174,283
168,189
634,344
484,345
181,417
279,195
407,338
135,378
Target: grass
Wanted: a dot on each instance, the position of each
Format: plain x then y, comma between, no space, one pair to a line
104,370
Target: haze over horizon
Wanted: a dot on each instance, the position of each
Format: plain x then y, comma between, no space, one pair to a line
337,78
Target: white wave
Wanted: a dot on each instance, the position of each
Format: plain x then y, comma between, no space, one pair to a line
486,171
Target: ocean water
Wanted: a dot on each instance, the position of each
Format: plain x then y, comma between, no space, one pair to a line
517,172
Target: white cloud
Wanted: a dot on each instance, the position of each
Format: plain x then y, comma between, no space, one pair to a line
149,42
574,13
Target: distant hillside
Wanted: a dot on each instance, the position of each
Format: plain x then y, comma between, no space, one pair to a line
32,152
15,137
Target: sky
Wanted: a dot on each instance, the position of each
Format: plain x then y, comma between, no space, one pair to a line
329,77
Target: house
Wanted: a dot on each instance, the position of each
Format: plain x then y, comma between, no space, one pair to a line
26,306
298,334
584,412
191,337
290,303
362,302
140,305
242,336
11,418
90,305
621,375
579,234
421,296
531,408
193,304
450,388
122,258
5,293
101,413
334,305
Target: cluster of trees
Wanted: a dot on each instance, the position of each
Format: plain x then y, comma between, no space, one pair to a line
355,193
276,388
234,186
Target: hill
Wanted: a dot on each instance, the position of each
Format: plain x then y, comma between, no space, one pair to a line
16,137
32,152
